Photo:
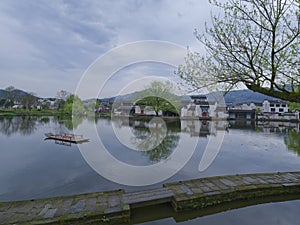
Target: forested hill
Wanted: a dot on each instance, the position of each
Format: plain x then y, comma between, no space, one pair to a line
16,92
245,96
235,97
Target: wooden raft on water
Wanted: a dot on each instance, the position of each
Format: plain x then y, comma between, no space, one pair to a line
72,138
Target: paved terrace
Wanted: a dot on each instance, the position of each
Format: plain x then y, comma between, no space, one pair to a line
114,207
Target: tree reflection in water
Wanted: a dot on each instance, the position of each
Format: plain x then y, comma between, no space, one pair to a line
24,125
168,138
292,141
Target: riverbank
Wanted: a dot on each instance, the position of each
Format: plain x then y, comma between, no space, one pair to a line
116,207
19,112
23,112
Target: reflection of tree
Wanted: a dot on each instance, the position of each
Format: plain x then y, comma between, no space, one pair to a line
44,120
292,141
24,125
166,147
167,137
28,125
73,123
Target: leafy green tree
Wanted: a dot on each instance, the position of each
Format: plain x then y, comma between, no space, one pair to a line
2,102
73,105
294,106
158,96
252,42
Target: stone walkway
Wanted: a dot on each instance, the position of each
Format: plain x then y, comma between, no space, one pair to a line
114,207
201,193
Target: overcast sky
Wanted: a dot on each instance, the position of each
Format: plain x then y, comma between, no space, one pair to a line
46,46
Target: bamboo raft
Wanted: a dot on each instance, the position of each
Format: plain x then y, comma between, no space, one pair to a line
72,138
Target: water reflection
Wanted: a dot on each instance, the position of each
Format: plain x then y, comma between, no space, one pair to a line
241,212
23,125
143,128
292,141
168,138
155,138
289,130
27,125
25,158
73,123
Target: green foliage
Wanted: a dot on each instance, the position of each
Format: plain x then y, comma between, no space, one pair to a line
73,123
254,43
294,106
2,102
159,97
73,105
105,219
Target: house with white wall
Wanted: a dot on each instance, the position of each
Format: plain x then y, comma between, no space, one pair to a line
276,106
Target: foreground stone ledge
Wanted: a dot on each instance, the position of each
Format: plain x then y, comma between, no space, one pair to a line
201,193
103,208
114,207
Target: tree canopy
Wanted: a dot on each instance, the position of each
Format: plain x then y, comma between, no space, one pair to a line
73,105
159,97
253,42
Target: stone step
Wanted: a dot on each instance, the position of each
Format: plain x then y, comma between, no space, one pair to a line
149,197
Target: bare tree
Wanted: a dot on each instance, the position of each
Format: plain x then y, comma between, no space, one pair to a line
62,96
10,96
28,100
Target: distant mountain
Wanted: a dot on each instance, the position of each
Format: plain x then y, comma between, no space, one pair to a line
2,94
235,97
245,96
18,93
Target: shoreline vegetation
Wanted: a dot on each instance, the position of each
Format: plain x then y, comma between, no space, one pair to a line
33,112
51,112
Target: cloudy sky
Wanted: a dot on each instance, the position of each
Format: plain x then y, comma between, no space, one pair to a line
46,46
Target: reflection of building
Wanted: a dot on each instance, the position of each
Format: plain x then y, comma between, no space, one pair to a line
202,128
279,116
277,127
245,114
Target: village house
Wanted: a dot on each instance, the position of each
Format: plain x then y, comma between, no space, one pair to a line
277,106
196,106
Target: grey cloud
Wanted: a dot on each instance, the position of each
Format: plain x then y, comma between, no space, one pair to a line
44,37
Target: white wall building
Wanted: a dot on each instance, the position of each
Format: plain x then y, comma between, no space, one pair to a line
275,107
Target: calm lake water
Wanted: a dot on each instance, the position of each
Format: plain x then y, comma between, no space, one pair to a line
32,167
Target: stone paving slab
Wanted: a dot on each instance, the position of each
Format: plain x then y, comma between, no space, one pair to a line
147,197
230,188
114,207
77,207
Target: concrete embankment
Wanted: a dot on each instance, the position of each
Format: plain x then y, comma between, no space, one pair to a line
115,207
